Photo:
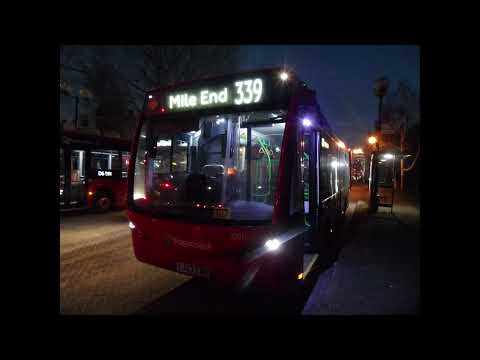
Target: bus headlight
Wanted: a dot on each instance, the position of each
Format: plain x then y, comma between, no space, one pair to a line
131,225
272,244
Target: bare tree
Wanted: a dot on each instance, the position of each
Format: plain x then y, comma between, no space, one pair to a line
402,109
164,65
118,76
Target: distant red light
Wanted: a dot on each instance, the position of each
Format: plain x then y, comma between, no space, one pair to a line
152,104
165,185
162,109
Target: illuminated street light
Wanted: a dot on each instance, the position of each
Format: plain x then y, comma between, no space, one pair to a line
284,76
372,140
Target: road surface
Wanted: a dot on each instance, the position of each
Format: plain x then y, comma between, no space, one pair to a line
99,273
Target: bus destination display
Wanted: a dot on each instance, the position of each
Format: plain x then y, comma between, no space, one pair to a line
250,90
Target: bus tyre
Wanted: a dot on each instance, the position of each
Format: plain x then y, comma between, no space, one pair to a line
103,202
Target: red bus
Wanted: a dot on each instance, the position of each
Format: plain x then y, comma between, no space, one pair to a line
238,179
93,171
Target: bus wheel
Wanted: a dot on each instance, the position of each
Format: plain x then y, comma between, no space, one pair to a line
103,202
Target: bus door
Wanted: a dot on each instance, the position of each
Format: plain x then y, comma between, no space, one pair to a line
309,171
62,177
77,177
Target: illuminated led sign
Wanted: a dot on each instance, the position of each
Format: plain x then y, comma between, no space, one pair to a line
241,92
104,173
259,88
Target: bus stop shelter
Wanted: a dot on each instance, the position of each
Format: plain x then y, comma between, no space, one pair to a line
382,180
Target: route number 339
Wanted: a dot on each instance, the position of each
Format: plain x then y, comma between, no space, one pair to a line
248,91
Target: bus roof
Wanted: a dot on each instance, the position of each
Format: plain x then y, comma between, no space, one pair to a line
75,135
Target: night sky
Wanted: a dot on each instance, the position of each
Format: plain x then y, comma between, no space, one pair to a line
343,78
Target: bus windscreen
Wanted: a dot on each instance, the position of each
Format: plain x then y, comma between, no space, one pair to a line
220,166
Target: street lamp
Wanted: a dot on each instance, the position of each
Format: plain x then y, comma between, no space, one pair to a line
380,90
372,140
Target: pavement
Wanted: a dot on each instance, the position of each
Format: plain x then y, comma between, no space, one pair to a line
377,271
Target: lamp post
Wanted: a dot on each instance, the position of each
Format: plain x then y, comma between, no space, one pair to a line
380,90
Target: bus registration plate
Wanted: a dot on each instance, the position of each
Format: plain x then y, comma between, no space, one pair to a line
192,270
222,213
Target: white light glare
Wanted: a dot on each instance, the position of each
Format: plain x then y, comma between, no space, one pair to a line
131,225
284,76
388,156
307,122
138,196
272,244
220,121
150,96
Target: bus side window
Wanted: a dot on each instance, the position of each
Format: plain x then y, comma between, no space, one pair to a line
325,186
105,160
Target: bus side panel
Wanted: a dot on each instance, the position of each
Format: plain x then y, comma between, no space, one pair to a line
117,188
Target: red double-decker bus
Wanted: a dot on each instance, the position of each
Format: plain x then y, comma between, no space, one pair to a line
238,179
93,171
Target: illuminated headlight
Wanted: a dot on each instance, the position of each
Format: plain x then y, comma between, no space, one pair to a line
272,244
131,225
388,156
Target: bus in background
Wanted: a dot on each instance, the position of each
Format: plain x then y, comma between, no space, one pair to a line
238,179
93,171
